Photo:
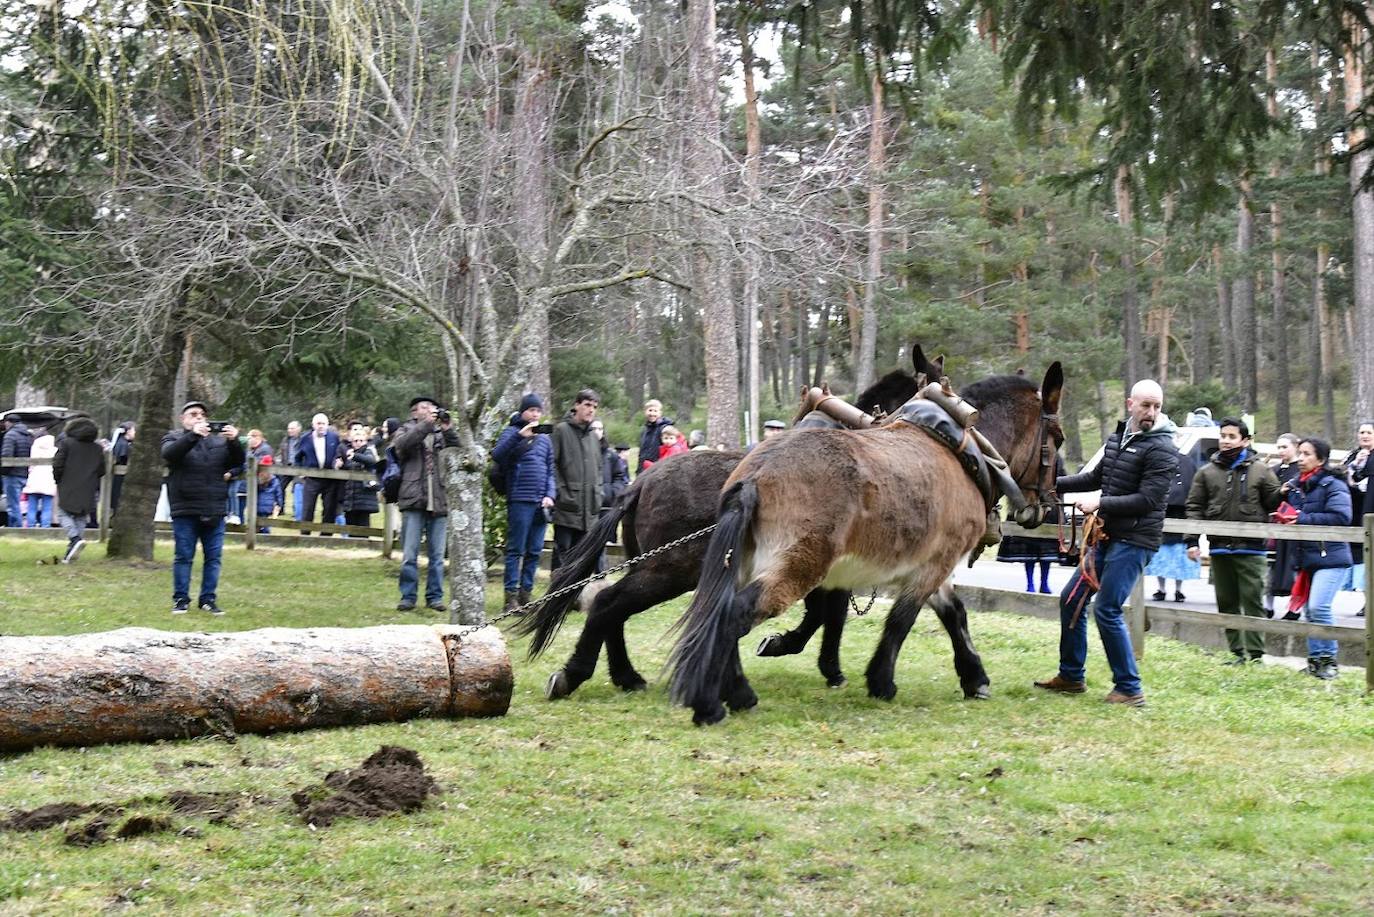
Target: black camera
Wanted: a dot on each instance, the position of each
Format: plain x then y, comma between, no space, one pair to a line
442,415
217,426
543,428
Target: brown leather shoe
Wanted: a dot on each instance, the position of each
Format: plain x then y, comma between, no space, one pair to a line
1062,685
1130,700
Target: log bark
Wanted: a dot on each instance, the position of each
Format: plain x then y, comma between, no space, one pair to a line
139,684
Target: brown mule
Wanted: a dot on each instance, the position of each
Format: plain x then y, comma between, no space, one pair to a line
855,509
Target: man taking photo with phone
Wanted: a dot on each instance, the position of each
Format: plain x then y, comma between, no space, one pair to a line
525,455
200,464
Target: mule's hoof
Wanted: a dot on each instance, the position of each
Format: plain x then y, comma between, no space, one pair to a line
709,717
742,700
979,693
836,681
637,684
770,645
882,692
557,686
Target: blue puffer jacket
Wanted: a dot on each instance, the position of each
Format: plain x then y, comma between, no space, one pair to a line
529,466
1323,499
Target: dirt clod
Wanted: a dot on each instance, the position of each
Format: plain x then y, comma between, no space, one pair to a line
94,832
392,779
44,817
215,806
140,825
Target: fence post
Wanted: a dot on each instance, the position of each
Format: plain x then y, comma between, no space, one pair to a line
389,529
1368,591
106,488
250,509
1135,617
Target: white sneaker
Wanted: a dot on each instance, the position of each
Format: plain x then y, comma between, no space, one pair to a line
74,551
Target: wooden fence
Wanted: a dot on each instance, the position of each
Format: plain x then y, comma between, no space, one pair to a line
387,532
1138,616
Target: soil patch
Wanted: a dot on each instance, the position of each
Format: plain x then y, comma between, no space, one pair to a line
140,825
95,831
392,779
215,806
50,815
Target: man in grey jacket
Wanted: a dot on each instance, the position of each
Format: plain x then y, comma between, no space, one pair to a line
423,505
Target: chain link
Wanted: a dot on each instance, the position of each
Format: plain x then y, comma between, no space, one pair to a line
522,609
867,608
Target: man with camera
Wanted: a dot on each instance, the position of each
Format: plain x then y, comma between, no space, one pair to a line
201,459
525,455
423,505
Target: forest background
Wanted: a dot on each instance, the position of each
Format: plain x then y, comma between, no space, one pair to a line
279,207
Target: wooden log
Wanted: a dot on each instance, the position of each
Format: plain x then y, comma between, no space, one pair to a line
138,684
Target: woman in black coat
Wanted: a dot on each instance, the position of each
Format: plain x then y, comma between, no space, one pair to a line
358,499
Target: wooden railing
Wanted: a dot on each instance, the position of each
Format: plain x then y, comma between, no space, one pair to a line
387,532
1138,615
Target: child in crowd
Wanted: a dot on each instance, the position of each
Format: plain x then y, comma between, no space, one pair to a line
672,442
271,500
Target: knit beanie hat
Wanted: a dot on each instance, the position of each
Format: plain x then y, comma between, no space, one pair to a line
531,400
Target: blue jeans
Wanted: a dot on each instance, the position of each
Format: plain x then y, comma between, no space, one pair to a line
525,526
186,531
40,511
14,486
1119,565
1325,585
414,523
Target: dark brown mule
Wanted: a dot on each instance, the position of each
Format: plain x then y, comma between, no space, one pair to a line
849,509
670,500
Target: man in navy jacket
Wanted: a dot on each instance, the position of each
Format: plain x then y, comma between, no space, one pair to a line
317,451
527,459
199,465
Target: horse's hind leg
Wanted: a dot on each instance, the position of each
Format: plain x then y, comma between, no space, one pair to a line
736,691
836,611
795,640
611,608
884,662
973,678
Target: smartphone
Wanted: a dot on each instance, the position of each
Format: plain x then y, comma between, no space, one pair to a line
217,426
543,428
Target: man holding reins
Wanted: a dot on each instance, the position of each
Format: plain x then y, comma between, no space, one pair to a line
1134,477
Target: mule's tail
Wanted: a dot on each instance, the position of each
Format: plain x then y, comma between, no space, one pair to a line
715,618
577,565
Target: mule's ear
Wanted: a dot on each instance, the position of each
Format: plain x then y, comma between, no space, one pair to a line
921,365
1052,387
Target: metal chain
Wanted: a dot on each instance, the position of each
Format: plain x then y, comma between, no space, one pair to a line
867,608
522,609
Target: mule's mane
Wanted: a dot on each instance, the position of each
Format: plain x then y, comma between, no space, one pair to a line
985,393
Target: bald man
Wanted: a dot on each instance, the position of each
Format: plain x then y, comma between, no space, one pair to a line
1134,477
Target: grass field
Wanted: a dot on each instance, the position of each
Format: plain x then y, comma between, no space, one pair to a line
1233,793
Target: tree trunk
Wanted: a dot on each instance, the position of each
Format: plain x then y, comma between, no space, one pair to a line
803,340
1228,339
531,143
467,556
139,684
1243,301
131,528
704,170
822,344
1362,235
752,257
1073,436
181,384
1282,382
1200,346
877,168
1133,367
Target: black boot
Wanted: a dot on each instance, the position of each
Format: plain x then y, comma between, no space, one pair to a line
1326,668
512,602
1313,666
525,596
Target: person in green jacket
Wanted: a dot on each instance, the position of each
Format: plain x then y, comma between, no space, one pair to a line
576,475
1236,486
